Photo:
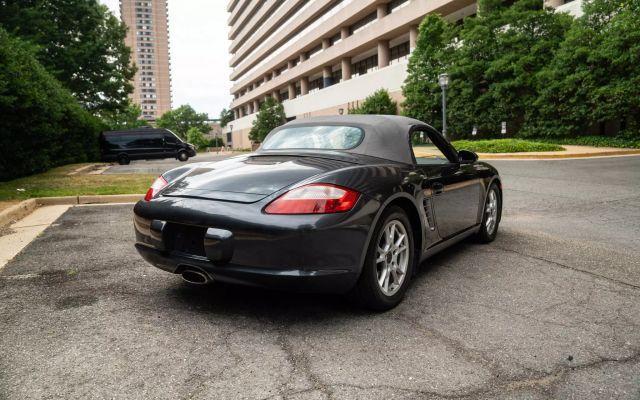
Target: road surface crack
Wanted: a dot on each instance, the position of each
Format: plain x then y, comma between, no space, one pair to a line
569,267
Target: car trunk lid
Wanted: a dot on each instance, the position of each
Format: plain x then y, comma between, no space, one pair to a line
249,179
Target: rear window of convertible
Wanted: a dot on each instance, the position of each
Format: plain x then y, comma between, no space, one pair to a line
315,137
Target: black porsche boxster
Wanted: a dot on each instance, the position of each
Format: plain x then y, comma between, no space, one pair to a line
330,204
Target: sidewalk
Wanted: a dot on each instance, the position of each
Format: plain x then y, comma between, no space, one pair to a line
570,152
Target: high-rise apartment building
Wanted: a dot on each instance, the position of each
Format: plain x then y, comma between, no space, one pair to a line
148,38
322,57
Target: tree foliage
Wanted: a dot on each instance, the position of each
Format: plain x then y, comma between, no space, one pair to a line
270,116
43,125
428,60
493,61
128,118
543,72
378,103
80,43
196,138
595,76
182,119
226,116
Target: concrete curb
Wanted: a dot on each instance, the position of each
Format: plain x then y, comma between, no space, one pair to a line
17,212
22,209
552,156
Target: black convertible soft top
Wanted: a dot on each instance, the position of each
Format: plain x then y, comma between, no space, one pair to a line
385,136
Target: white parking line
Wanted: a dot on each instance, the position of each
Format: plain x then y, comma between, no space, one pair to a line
27,229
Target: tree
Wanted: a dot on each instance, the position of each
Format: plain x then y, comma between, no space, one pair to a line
429,59
226,116
595,75
43,125
196,138
80,43
378,103
493,61
124,119
182,119
270,116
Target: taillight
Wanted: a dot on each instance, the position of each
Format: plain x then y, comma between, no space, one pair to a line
157,186
316,198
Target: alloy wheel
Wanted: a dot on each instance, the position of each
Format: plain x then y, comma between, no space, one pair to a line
491,212
392,257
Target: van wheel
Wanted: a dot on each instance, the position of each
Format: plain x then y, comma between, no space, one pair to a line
183,156
123,159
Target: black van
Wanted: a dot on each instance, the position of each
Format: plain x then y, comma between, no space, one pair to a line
143,144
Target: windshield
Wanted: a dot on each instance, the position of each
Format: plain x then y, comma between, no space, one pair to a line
315,137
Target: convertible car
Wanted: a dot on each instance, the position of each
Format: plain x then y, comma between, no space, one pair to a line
347,204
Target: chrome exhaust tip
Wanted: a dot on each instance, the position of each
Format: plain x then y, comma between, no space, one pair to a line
196,277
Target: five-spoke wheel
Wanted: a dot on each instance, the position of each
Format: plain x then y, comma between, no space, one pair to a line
389,264
392,257
491,215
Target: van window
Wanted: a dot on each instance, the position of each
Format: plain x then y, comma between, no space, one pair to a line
146,141
170,139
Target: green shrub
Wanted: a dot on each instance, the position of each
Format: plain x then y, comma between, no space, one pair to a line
196,138
596,141
505,146
43,125
379,103
216,142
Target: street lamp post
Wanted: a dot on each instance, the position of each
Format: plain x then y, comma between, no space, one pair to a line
443,80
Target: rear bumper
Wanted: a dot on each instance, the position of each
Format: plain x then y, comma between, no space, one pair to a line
297,280
237,243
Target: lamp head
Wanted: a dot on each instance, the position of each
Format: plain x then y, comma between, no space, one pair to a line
443,80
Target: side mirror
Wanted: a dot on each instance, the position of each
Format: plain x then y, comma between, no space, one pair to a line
467,157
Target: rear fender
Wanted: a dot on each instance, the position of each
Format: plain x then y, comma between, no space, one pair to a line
381,210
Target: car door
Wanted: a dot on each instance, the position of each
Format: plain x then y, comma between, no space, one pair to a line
451,189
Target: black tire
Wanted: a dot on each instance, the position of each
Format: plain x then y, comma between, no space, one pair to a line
368,292
183,156
488,232
123,159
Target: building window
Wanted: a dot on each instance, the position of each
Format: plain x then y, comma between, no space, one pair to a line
335,39
364,66
399,52
363,23
395,5
315,85
336,76
314,52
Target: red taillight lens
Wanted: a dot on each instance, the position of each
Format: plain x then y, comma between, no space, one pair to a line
316,198
157,186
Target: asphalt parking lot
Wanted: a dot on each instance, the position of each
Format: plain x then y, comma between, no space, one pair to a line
160,166
551,310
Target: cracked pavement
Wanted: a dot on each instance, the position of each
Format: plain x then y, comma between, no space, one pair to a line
551,310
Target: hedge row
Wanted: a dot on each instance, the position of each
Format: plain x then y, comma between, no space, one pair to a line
43,125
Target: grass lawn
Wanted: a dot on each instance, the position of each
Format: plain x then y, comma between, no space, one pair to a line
505,146
58,182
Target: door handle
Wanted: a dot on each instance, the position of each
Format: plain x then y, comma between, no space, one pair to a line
438,188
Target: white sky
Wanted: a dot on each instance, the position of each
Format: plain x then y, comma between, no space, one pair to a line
199,53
